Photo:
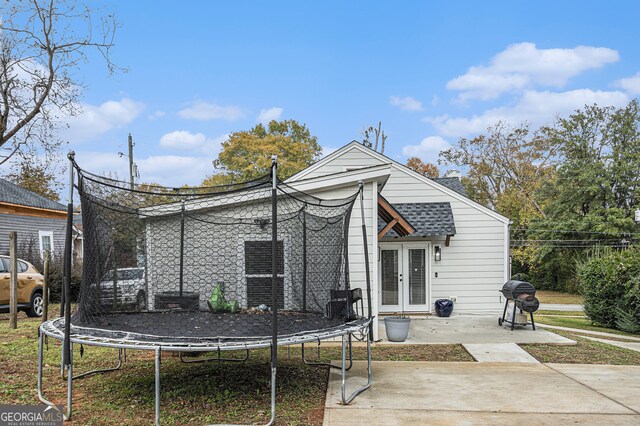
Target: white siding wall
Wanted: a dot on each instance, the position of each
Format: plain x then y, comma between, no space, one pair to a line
356,249
472,267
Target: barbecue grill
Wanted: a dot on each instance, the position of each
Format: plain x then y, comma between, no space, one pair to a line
523,296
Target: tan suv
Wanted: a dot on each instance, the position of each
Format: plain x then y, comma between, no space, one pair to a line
30,283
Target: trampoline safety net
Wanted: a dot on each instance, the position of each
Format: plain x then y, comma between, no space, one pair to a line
196,263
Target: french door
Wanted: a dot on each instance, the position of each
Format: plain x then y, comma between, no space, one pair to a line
404,277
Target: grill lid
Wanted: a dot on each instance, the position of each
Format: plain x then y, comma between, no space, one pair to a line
514,288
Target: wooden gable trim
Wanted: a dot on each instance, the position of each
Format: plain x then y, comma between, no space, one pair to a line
393,218
16,209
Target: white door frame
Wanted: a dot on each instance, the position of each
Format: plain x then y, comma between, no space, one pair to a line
403,250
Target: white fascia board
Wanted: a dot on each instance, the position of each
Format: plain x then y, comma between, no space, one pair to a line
379,174
466,200
335,154
402,168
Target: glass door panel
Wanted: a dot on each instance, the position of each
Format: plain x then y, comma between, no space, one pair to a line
417,276
390,269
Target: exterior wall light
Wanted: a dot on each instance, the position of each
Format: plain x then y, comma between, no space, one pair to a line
437,253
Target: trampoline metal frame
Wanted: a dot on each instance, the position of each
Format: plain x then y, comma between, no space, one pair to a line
68,335
49,329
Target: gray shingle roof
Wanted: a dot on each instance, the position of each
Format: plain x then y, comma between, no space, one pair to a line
14,194
452,183
429,219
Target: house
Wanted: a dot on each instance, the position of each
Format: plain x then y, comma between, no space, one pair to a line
427,239
39,221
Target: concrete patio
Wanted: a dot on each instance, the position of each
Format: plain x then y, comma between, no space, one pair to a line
467,328
487,393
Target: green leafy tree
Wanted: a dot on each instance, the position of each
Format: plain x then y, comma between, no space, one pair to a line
506,168
595,192
428,169
36,176
247,155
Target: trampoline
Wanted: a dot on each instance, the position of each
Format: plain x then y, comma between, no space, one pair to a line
244,266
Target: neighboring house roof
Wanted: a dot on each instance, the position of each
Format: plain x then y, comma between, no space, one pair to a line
13,194
428,219
401,167
452,183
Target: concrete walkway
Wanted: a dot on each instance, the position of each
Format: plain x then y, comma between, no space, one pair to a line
487,393
465,328
590,332
633,346
560,307
499,352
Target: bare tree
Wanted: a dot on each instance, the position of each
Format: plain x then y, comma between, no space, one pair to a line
380,138
42,44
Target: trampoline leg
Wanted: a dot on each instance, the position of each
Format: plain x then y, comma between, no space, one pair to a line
219,359
67,415
273,396
328,364
347,400
157,365
103,370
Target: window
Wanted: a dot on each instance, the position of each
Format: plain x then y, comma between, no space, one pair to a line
46,242
5,265
257,270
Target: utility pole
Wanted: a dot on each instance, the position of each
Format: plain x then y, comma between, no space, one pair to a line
131,166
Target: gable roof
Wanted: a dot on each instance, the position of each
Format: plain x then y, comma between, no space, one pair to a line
404,169
452,183
428,219
13,194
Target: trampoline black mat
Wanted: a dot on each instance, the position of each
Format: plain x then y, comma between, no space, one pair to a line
204,326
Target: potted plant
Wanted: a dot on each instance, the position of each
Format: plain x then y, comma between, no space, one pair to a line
397,326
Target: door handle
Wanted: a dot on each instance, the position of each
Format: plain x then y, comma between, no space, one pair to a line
29,277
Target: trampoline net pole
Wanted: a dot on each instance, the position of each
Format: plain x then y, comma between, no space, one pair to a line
366,256
67,269
274,277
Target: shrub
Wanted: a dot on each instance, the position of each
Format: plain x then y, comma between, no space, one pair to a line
610,283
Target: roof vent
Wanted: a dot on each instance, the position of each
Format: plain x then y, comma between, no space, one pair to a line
453,174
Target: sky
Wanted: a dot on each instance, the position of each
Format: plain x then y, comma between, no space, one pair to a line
432,72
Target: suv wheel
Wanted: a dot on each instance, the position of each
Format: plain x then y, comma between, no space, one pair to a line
37,305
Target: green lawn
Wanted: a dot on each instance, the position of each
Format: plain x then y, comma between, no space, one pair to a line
556,297
579,323
201,393
560,313
584,352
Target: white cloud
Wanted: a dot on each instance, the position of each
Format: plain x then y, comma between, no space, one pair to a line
428,147
183,140
156,115
206,111
175,170
535,108
169,170
406,104
98,119
631,85
523,66
266,115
